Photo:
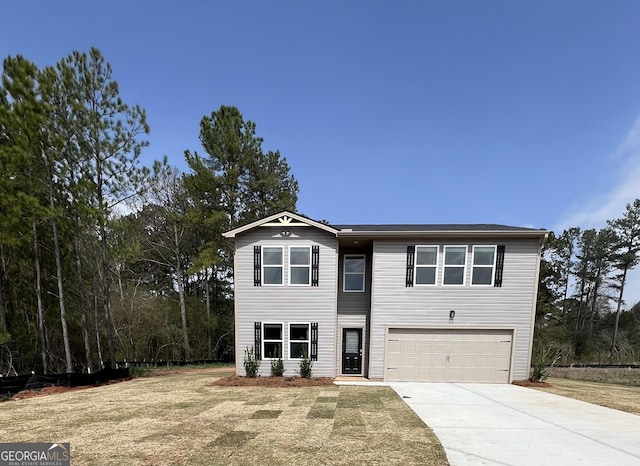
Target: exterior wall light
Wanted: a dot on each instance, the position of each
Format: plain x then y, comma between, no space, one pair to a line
452,314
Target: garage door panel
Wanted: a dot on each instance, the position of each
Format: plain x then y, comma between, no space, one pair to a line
441,355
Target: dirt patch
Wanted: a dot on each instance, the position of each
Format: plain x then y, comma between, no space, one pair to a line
272,382
529,383
24,394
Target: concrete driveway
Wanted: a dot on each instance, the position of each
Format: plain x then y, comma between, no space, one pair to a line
511,425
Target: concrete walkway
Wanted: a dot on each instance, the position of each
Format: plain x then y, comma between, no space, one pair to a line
510,425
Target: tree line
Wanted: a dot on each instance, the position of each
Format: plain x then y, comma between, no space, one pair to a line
581,313
103,259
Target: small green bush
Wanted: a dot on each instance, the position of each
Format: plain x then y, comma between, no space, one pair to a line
277,368
305,366
251,364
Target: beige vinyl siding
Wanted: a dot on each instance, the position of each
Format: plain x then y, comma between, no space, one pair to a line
509,306
286,304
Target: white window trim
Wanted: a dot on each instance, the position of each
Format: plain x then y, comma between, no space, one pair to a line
263,266
464,267
264,340
493,267
307,341
295,265
364,272
415,264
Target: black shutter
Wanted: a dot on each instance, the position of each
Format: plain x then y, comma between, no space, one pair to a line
497,281
315,264
314,341
411,251
257,329
257,266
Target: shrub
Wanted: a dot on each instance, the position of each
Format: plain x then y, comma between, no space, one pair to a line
277,368
305,366
542,362
251,364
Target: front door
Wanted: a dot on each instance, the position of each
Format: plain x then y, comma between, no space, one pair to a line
352,351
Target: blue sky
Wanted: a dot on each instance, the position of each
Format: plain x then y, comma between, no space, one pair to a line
522,113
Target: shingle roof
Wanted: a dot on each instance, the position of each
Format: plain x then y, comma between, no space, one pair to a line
433,227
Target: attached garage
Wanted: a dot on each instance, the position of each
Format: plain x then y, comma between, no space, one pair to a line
448,355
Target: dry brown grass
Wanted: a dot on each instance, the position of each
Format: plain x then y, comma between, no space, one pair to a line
182,419
620,397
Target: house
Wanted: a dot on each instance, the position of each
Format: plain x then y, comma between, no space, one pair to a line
387,302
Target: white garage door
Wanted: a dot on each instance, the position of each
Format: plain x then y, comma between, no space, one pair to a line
443,355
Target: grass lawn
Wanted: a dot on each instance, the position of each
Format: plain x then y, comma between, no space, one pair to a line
180,419
620,397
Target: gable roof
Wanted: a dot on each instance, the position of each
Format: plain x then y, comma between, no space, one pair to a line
282,219
290,219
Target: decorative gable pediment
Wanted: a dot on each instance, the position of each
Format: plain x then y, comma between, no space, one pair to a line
285,220
281,220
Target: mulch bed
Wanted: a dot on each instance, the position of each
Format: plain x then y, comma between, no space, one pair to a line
274,382
54,390
528,383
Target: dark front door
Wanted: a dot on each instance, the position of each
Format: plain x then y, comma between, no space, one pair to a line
352,351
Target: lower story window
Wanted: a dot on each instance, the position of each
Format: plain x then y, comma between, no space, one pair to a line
272,341
298,341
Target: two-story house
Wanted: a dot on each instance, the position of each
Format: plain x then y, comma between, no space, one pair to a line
387,302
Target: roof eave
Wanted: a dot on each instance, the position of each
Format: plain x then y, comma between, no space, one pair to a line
449,233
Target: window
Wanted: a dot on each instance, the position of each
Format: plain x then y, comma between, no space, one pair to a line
455,259
298,341
426,265
484,259
299,265
353,277
272,341
272,265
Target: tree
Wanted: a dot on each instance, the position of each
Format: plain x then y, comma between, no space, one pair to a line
626,255
171,206
107,133
21,118
236,183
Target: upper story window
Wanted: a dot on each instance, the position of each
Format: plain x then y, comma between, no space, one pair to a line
299,265
272,265
354,270
484,259
426,265
455,261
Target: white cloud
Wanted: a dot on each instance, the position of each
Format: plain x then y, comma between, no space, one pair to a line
594,212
